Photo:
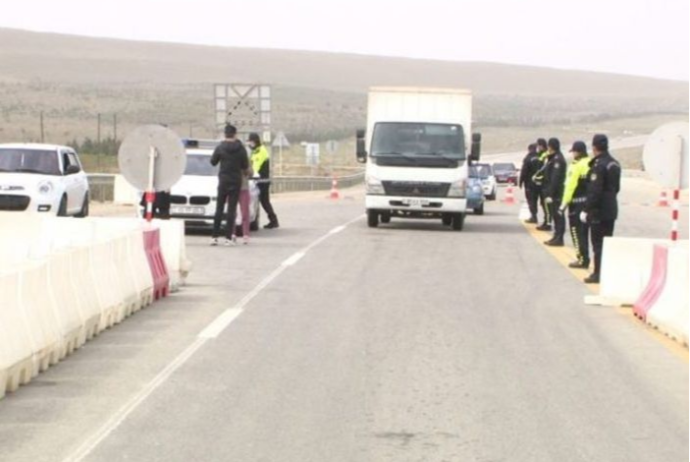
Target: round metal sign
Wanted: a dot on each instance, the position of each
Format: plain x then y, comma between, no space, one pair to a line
134,157
666,155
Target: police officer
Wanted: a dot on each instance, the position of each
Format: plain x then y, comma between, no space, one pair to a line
234,162
261,164
530,166
554,186
574,199
542,152
601,206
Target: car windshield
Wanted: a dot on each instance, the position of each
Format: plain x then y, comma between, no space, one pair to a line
418,140
37,161
480,171
504,168
200,166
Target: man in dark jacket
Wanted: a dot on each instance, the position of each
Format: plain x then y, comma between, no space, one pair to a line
538,178
530,166
234,162
601,207
554,186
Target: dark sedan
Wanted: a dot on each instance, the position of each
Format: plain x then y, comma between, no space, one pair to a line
506,173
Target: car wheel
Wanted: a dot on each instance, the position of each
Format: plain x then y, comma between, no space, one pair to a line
458,221
479,210
492,196
84,212
447,220
385,218
372,218
62,209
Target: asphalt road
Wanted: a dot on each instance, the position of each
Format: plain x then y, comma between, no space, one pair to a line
405,343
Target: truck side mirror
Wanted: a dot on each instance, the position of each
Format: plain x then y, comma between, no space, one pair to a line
476,150
361,147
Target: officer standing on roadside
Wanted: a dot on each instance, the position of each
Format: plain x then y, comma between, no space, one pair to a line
530,166
574,202
601,206
554,186
261,164
538,178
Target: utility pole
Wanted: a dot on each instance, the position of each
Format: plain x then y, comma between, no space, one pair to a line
98,130
43,135
115,127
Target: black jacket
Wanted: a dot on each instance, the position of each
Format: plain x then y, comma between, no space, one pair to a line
603,185
530,166
233,160
554,176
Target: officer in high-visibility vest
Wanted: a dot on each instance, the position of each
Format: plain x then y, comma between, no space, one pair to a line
261,164
574,199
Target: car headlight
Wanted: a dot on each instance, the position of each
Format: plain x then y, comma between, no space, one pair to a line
458,189
374,186
45,188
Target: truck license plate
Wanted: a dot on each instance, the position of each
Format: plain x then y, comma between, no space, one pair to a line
415,202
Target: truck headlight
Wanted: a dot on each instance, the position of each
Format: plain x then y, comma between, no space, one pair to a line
374,186
45,188
458,189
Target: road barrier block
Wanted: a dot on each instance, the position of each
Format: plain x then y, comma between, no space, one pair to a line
161,280
656,283
174,248
65,303
16,358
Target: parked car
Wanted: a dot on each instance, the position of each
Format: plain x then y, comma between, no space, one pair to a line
193,198
42,178
506,172
485,173
475,192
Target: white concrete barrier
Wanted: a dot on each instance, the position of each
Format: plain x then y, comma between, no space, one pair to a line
84,290
670,312
625,271
124,193
112,307
16,359
174,248
65,302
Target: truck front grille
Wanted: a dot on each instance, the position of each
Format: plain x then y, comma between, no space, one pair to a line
415,189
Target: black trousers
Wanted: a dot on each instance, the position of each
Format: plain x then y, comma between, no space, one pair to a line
532,197
558,220
579,232
600,230
548,216
228,193
265,199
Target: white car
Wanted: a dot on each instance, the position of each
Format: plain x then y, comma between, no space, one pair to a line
193,198
486,174
42,178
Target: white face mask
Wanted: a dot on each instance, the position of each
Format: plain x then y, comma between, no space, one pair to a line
251,144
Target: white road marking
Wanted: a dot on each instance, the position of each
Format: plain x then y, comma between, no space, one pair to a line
212,331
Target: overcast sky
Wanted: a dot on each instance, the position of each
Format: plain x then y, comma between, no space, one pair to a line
640,37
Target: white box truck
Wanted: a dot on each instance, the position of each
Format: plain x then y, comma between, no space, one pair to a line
417,148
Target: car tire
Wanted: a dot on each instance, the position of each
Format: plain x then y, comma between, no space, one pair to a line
447,219
84,212
62,208
479,210
372,218
458,221
492,196
385,218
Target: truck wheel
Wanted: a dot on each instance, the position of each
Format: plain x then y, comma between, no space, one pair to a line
458,221
372,218
479,210
447,219
385,218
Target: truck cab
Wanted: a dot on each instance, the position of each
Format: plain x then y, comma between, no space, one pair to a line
417,148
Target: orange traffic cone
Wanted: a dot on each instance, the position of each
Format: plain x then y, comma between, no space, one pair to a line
510,197
663,200
334,189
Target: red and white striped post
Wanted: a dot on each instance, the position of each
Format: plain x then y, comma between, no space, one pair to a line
150,195
675,214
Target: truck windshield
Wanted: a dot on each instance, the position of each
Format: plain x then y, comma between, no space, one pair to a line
419,140
38,161
200,166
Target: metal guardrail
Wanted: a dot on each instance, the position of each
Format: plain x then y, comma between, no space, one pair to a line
102,185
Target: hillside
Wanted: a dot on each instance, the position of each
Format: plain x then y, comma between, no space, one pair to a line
316,95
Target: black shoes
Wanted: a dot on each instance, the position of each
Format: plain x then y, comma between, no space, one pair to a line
592,279
531,221
544,227
554,243
272,225
579,265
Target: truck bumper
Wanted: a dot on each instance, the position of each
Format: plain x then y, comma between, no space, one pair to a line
416,207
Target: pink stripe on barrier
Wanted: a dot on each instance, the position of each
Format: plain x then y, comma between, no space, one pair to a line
656,283
159,271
